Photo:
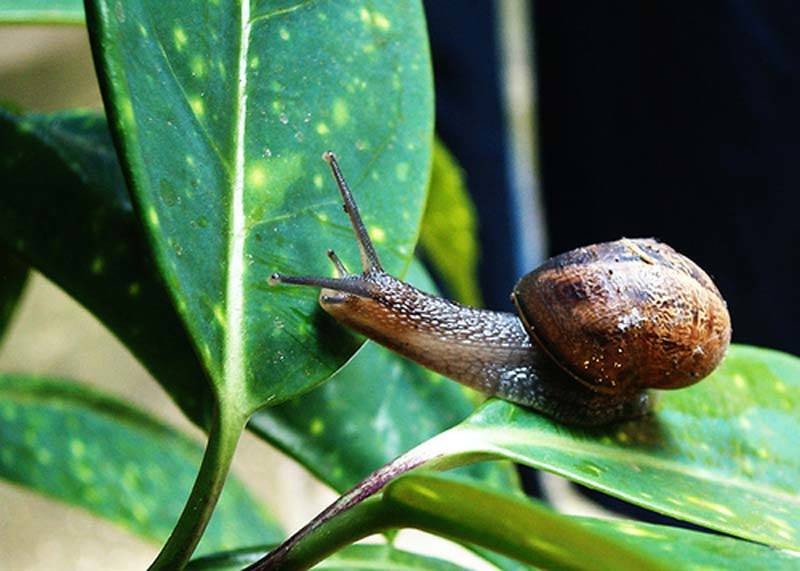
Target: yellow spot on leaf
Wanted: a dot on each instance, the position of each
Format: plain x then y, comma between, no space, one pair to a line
635,531
152,216
180,37
318,180
317,426
322,129
219,314
704,503
198,66
256,176
341,114
77,448
284,34
198,106
377,234
126,110
254,62
381,22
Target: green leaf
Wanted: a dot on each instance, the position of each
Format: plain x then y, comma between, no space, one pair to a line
358,420
41,12
62,175
222,113
13,276
448,237
353,557
92,451
514,527
536,535
65,175
719,454
685,549
524,530
715,454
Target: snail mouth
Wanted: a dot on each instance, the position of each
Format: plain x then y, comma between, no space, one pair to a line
332,297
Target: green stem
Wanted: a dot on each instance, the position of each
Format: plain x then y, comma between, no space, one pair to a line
507,525
226,429
366,518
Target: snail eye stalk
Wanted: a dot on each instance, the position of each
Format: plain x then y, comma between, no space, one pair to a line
369,257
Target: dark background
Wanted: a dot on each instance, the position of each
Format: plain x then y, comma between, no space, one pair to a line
673,120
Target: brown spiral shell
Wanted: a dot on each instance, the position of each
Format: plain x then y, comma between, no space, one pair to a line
626,315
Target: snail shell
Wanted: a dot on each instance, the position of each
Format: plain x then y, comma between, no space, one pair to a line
626,315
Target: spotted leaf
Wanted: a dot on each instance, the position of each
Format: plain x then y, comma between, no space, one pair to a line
222,112
358,420
89,450
528,531
64,175
716,454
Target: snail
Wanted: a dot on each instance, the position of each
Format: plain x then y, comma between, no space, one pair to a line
594,329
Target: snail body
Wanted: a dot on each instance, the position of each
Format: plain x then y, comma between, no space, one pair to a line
594,329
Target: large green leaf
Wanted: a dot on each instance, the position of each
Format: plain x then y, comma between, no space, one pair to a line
64,174
351,558
720,454
66,212
41,12
448,237
516,526
525,530
95,452
222,112
13,276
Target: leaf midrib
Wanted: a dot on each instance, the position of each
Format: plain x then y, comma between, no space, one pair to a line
233,370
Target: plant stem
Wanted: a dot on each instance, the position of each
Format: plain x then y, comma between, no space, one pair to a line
427,453
226,429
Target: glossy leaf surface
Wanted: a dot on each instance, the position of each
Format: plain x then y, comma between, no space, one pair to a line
448,237
64,175
41,12
353,557
89,450
534,534
360,418
222,112
717,454
13,277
